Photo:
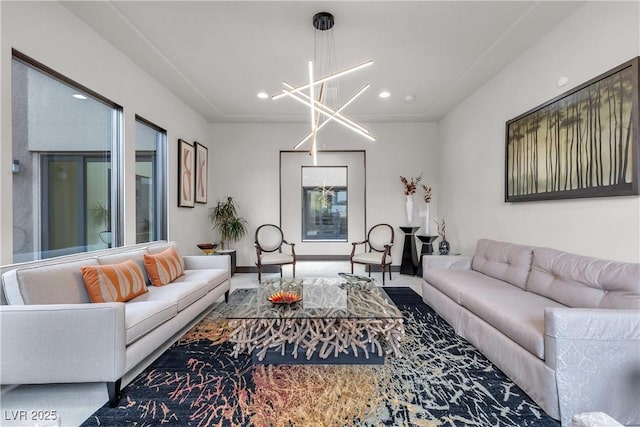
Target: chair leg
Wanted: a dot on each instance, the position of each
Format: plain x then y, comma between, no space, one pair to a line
281,272
390,272
294,271
351,267
383,271
259,275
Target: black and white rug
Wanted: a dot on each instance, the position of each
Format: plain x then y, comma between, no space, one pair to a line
441,381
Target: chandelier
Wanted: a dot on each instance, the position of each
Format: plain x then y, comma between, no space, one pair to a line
322,95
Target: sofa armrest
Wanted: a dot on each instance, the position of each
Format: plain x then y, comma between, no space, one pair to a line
596,356
59,343
453,262
206,262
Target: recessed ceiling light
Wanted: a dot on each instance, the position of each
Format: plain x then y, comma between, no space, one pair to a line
384,94
79,96
263,95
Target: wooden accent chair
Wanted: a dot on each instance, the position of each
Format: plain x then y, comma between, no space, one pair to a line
268,242
379,242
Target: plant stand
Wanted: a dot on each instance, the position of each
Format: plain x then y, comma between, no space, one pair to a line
232,254
427,249
409,253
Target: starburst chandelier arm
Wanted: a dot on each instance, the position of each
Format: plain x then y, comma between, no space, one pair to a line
316,127
325,79
349,101
312,95
327,110
301,99
313,151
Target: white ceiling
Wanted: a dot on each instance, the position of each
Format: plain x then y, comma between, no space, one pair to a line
217,55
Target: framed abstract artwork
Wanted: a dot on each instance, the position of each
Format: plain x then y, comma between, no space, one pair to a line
186,174
202,164
583,143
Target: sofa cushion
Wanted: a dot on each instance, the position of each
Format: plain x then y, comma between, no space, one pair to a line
212,277
504,261
516,313
137,256
453,283
59,283
584,282
164,267
183,294
141,317
114,282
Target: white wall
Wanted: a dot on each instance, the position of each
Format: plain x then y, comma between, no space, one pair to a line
245,161
596,38
50,34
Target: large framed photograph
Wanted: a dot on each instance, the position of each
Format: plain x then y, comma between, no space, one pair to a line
583,143
202,164
186,174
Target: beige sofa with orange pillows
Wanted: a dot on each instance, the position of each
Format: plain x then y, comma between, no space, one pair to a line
96,316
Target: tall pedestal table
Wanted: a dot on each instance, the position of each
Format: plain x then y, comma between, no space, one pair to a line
409,264
427,249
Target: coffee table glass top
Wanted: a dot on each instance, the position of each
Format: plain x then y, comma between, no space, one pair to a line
322,298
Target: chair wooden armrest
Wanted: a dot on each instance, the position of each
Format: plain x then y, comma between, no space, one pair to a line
293,250
354,245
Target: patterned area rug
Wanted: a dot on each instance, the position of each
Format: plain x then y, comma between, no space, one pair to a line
441,381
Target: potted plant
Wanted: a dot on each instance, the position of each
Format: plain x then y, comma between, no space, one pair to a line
102,217
224,218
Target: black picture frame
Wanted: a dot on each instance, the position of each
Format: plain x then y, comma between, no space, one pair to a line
186,174
583,143
202,167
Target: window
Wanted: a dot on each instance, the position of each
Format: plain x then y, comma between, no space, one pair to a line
324,203
151,143
66,142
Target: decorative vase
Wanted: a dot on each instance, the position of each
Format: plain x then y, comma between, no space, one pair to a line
444,247
409,208
425,215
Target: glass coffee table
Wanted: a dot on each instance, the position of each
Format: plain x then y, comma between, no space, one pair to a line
345,320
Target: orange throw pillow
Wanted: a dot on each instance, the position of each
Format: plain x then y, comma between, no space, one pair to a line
163,268
114,282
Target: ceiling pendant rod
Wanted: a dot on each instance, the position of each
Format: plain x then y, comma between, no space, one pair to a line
314,124
299,98
328,111
325,79
312,95
329,118
314,148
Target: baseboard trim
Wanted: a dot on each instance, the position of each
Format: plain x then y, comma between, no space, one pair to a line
323,257
274,269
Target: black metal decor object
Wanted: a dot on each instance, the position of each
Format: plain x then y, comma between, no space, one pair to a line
427,249
409,264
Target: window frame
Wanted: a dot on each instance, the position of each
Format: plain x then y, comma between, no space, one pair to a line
161,175
116,149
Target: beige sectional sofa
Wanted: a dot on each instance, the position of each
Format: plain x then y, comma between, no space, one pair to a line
52,333
565,328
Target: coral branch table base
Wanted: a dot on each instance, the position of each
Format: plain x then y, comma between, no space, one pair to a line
336,322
